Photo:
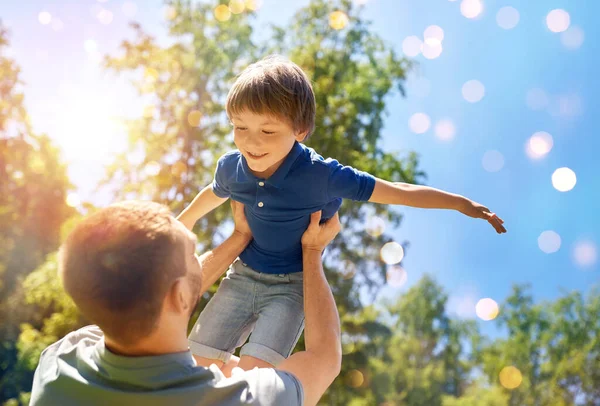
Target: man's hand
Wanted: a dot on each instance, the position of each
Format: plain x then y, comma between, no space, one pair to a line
318,236
239,218
476,210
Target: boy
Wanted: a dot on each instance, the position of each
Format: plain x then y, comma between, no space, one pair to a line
281,182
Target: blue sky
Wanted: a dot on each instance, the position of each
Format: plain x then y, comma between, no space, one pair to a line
66,91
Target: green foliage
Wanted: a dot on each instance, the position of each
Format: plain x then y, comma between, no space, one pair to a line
33,187
406,352
479,394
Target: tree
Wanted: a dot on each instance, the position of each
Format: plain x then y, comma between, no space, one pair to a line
555,346
419,359
33,188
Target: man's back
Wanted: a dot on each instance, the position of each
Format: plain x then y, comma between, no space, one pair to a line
80,370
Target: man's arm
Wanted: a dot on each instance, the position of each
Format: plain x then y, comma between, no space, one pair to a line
215,262
320,363
203,203
426,197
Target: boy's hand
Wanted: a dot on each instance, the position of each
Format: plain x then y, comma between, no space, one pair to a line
318,236
476,210
239,218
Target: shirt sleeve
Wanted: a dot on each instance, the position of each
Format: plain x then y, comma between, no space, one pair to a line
348,183
272,387
220,185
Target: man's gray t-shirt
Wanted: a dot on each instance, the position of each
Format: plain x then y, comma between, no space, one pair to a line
79,370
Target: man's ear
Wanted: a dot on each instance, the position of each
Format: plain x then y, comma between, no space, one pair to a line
178,296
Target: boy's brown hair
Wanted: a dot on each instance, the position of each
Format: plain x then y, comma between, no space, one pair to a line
118,264
278,87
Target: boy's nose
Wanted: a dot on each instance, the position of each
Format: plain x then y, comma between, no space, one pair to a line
252,140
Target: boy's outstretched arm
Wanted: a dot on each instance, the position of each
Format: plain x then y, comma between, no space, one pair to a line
203,203
430,198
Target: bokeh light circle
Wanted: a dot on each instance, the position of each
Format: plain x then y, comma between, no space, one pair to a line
471,8
419,123
392,253
105,16
237,6
549,241
396,276
44,18
492,161
539,145
572,38
348,269
487,309
445,130
431,49
585,253
433,32
338,20
558,20
169,12
564,179
473,91
537,99
510,377
375,226
152,168
57,25
411,46
222,13
253,5
355,378
194,117
507,17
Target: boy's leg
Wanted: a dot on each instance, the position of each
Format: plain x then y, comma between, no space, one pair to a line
225,322
280,321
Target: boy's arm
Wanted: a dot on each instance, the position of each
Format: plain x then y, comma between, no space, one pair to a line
430,198
203,203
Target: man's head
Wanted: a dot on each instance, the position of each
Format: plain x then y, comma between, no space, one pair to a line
271,105
127,265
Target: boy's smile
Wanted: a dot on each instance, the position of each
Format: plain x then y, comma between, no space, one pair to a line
263,140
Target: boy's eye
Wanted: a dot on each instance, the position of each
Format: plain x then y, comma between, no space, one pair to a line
241,128
268,132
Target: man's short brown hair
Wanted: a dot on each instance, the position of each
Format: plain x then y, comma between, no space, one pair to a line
118,264
278,87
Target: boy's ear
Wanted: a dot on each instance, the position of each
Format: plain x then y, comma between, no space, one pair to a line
301,136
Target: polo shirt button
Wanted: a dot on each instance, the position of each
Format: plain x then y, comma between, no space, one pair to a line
261,183
260,204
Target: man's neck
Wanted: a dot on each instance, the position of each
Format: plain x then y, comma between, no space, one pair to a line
156,344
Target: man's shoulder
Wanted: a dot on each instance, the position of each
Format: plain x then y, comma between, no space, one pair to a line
268,386
88,335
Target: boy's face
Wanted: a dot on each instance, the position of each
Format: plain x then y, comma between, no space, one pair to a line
263,140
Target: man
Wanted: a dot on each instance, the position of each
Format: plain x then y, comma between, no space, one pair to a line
131,269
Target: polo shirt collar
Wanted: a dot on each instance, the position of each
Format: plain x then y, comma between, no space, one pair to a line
278,177
149,371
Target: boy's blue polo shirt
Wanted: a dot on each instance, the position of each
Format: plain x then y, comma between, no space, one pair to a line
278,209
